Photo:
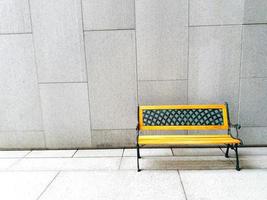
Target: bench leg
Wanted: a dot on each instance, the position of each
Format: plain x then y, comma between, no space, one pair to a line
227,151
138,156
237,161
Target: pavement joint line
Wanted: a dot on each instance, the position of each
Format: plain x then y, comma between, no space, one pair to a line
172,151
180,178
74,153
45,189
27,154
114,170
121,159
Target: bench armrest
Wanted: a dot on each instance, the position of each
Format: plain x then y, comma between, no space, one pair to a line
237,128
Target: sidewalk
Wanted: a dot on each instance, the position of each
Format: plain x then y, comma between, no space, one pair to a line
178,173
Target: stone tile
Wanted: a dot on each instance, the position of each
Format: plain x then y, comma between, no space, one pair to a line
113,138
214,66
248,151
162,92
66,164
225,184
162,39
99,153
51,154
66,115
214,12
24,185
253,135
254,55
253,106
145,152
15,16
22,140
197,152
112,79
252,162
19,100
5,163
58,37
255,11
179,163
13,154
112,14
117,185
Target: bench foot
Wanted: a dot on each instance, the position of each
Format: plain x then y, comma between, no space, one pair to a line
236,155
138,157
227,151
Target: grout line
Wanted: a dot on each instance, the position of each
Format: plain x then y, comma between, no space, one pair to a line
187,75
74,153
121,159
259,23
10,131
86,71
164,80
262,77
208,25
188,46
119,29
43,83
48,186
180,178
105,170
240,74
32,158
27,154
37,75
136,59
133,129
172,152
23,33
245,24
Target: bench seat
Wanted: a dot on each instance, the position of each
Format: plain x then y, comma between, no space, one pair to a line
186,139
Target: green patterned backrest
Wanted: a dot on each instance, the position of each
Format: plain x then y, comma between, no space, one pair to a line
183,117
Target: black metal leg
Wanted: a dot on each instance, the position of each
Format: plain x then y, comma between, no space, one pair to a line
138,156
227,151
138,151
237,161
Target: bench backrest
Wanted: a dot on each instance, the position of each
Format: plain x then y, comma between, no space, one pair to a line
183,117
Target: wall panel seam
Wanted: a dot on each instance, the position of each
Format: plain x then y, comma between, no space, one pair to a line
86,71
37,76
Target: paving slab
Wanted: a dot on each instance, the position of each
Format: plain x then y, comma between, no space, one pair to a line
248,151
5,163
99,153
196,163
117,185
252,162
225,184
51,154
13,154
148,152
63,164
24,185
197,152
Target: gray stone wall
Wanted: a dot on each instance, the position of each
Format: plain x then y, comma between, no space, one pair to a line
72,72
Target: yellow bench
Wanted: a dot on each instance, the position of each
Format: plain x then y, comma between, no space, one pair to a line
186,117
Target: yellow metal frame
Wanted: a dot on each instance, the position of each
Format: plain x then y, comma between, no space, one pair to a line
162,107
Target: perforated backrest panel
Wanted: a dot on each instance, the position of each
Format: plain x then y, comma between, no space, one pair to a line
183,117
